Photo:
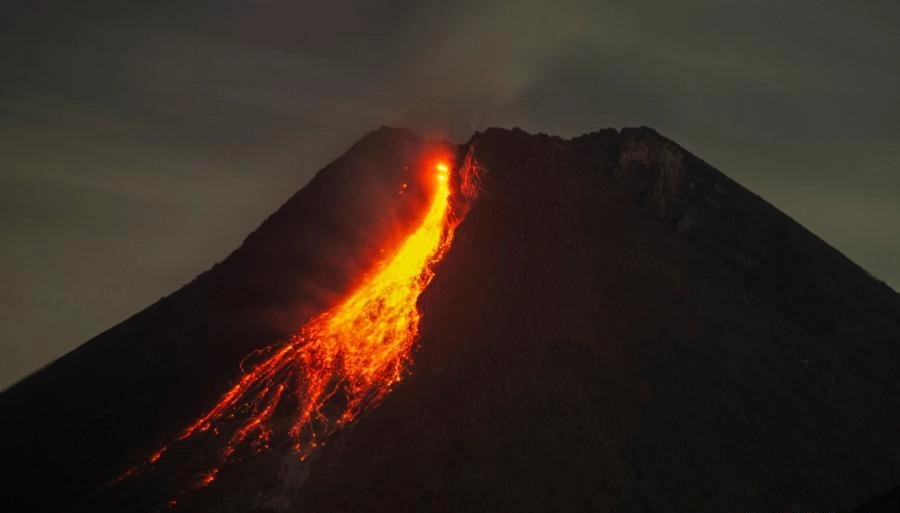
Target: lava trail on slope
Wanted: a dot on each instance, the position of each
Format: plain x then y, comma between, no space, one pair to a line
342,361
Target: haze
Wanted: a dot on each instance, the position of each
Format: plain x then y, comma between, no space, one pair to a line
142,144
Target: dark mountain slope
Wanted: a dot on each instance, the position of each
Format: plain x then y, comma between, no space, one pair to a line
79,422
620,327
617,326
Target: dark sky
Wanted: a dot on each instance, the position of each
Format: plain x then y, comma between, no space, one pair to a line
139,145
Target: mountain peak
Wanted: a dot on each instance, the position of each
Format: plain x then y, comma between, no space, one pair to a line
615,325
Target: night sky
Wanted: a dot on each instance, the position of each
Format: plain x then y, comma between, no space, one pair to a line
142,144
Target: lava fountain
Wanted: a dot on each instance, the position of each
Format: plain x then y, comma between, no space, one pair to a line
338,364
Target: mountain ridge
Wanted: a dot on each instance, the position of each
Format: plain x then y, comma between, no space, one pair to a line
640,268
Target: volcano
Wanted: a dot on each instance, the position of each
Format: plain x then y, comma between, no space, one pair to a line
518,323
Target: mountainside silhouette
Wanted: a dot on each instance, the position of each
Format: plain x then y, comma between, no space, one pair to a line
616,326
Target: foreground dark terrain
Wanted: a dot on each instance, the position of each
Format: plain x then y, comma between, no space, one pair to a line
617,326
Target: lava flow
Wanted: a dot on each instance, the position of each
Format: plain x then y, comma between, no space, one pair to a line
338,364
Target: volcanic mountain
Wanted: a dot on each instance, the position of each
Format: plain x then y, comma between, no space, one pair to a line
603,323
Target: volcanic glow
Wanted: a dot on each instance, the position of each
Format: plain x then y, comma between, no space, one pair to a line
340,362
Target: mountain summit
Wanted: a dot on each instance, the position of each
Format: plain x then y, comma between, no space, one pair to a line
615,326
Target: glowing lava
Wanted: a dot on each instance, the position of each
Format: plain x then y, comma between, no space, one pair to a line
340,362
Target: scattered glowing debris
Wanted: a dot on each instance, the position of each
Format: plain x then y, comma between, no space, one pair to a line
338,364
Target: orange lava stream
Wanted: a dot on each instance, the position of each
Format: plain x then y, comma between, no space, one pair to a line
342,361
